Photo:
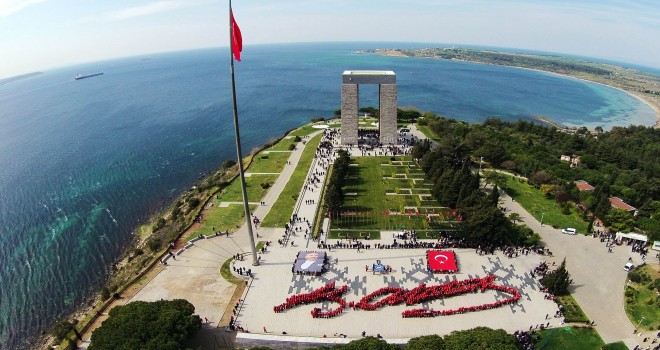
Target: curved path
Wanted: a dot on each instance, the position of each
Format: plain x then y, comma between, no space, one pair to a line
598,276
195,273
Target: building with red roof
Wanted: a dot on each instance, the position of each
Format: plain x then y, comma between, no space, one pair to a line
583,185
620,204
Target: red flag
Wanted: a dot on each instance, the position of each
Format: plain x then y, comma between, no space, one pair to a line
236,38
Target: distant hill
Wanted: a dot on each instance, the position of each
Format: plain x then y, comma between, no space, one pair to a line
19,77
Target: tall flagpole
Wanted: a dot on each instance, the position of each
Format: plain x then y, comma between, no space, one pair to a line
248,220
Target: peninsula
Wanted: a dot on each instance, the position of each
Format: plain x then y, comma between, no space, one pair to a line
19,77
642,85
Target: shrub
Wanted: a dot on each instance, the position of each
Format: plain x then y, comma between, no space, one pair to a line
297,139
105,293
265,185
228,164
158,225
62,329
193,203
292,147
638,276
154,244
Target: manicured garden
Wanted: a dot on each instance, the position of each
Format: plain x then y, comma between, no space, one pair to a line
269,162
230,218
283,208
222,218
257,186
385,194
572,310
569,338
641,296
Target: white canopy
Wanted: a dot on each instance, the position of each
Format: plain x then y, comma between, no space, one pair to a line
656,245
632,235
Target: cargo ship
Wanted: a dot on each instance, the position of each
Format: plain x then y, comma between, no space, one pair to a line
78,77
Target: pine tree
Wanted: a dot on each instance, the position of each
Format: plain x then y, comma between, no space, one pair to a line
558,280
494,196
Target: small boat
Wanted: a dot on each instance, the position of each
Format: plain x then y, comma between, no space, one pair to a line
78,77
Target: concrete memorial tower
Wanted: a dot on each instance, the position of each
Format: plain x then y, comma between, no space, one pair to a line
386,81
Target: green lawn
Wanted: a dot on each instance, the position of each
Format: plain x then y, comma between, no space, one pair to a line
282,209
272,162
369,196
641,301
225,272
427,132
341,234
616,346
540,206
233,193
572,310
303,131
283,145
223,219
569,338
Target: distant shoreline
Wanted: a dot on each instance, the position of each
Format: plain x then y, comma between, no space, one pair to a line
655,108
654,105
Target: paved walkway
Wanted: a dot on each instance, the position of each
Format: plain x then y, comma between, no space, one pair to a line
194,275
195,272
274,282
598,276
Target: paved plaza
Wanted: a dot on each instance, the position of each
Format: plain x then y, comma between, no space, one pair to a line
273,282
194,275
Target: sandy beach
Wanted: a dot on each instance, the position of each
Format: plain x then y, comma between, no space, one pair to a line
653,104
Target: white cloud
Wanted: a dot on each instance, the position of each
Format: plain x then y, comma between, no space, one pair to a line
7,7
145,10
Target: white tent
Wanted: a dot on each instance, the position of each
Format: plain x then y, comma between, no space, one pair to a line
633,236
656,245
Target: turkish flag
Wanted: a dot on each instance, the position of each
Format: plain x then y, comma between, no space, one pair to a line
441,260
236,38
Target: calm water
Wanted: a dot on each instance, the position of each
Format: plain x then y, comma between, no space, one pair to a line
84,162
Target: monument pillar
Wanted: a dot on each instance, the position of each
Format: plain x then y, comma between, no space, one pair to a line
349,114
388,107
387,104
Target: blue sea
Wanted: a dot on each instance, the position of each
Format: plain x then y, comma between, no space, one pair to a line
82,163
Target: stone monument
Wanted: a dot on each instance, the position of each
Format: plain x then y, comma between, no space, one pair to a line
387,106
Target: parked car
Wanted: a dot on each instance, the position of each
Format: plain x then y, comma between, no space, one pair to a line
627,267
569,231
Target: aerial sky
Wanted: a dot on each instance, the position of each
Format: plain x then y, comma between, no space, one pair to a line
36,35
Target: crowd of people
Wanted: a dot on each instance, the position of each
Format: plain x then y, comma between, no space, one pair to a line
325,293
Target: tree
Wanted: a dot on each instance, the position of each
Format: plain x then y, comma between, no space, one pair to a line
508,165
160,222
515,217
494,195
493,177
159,325
540,177
619,220
426,342
228,164
368,343
420,149
558,280
480,338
